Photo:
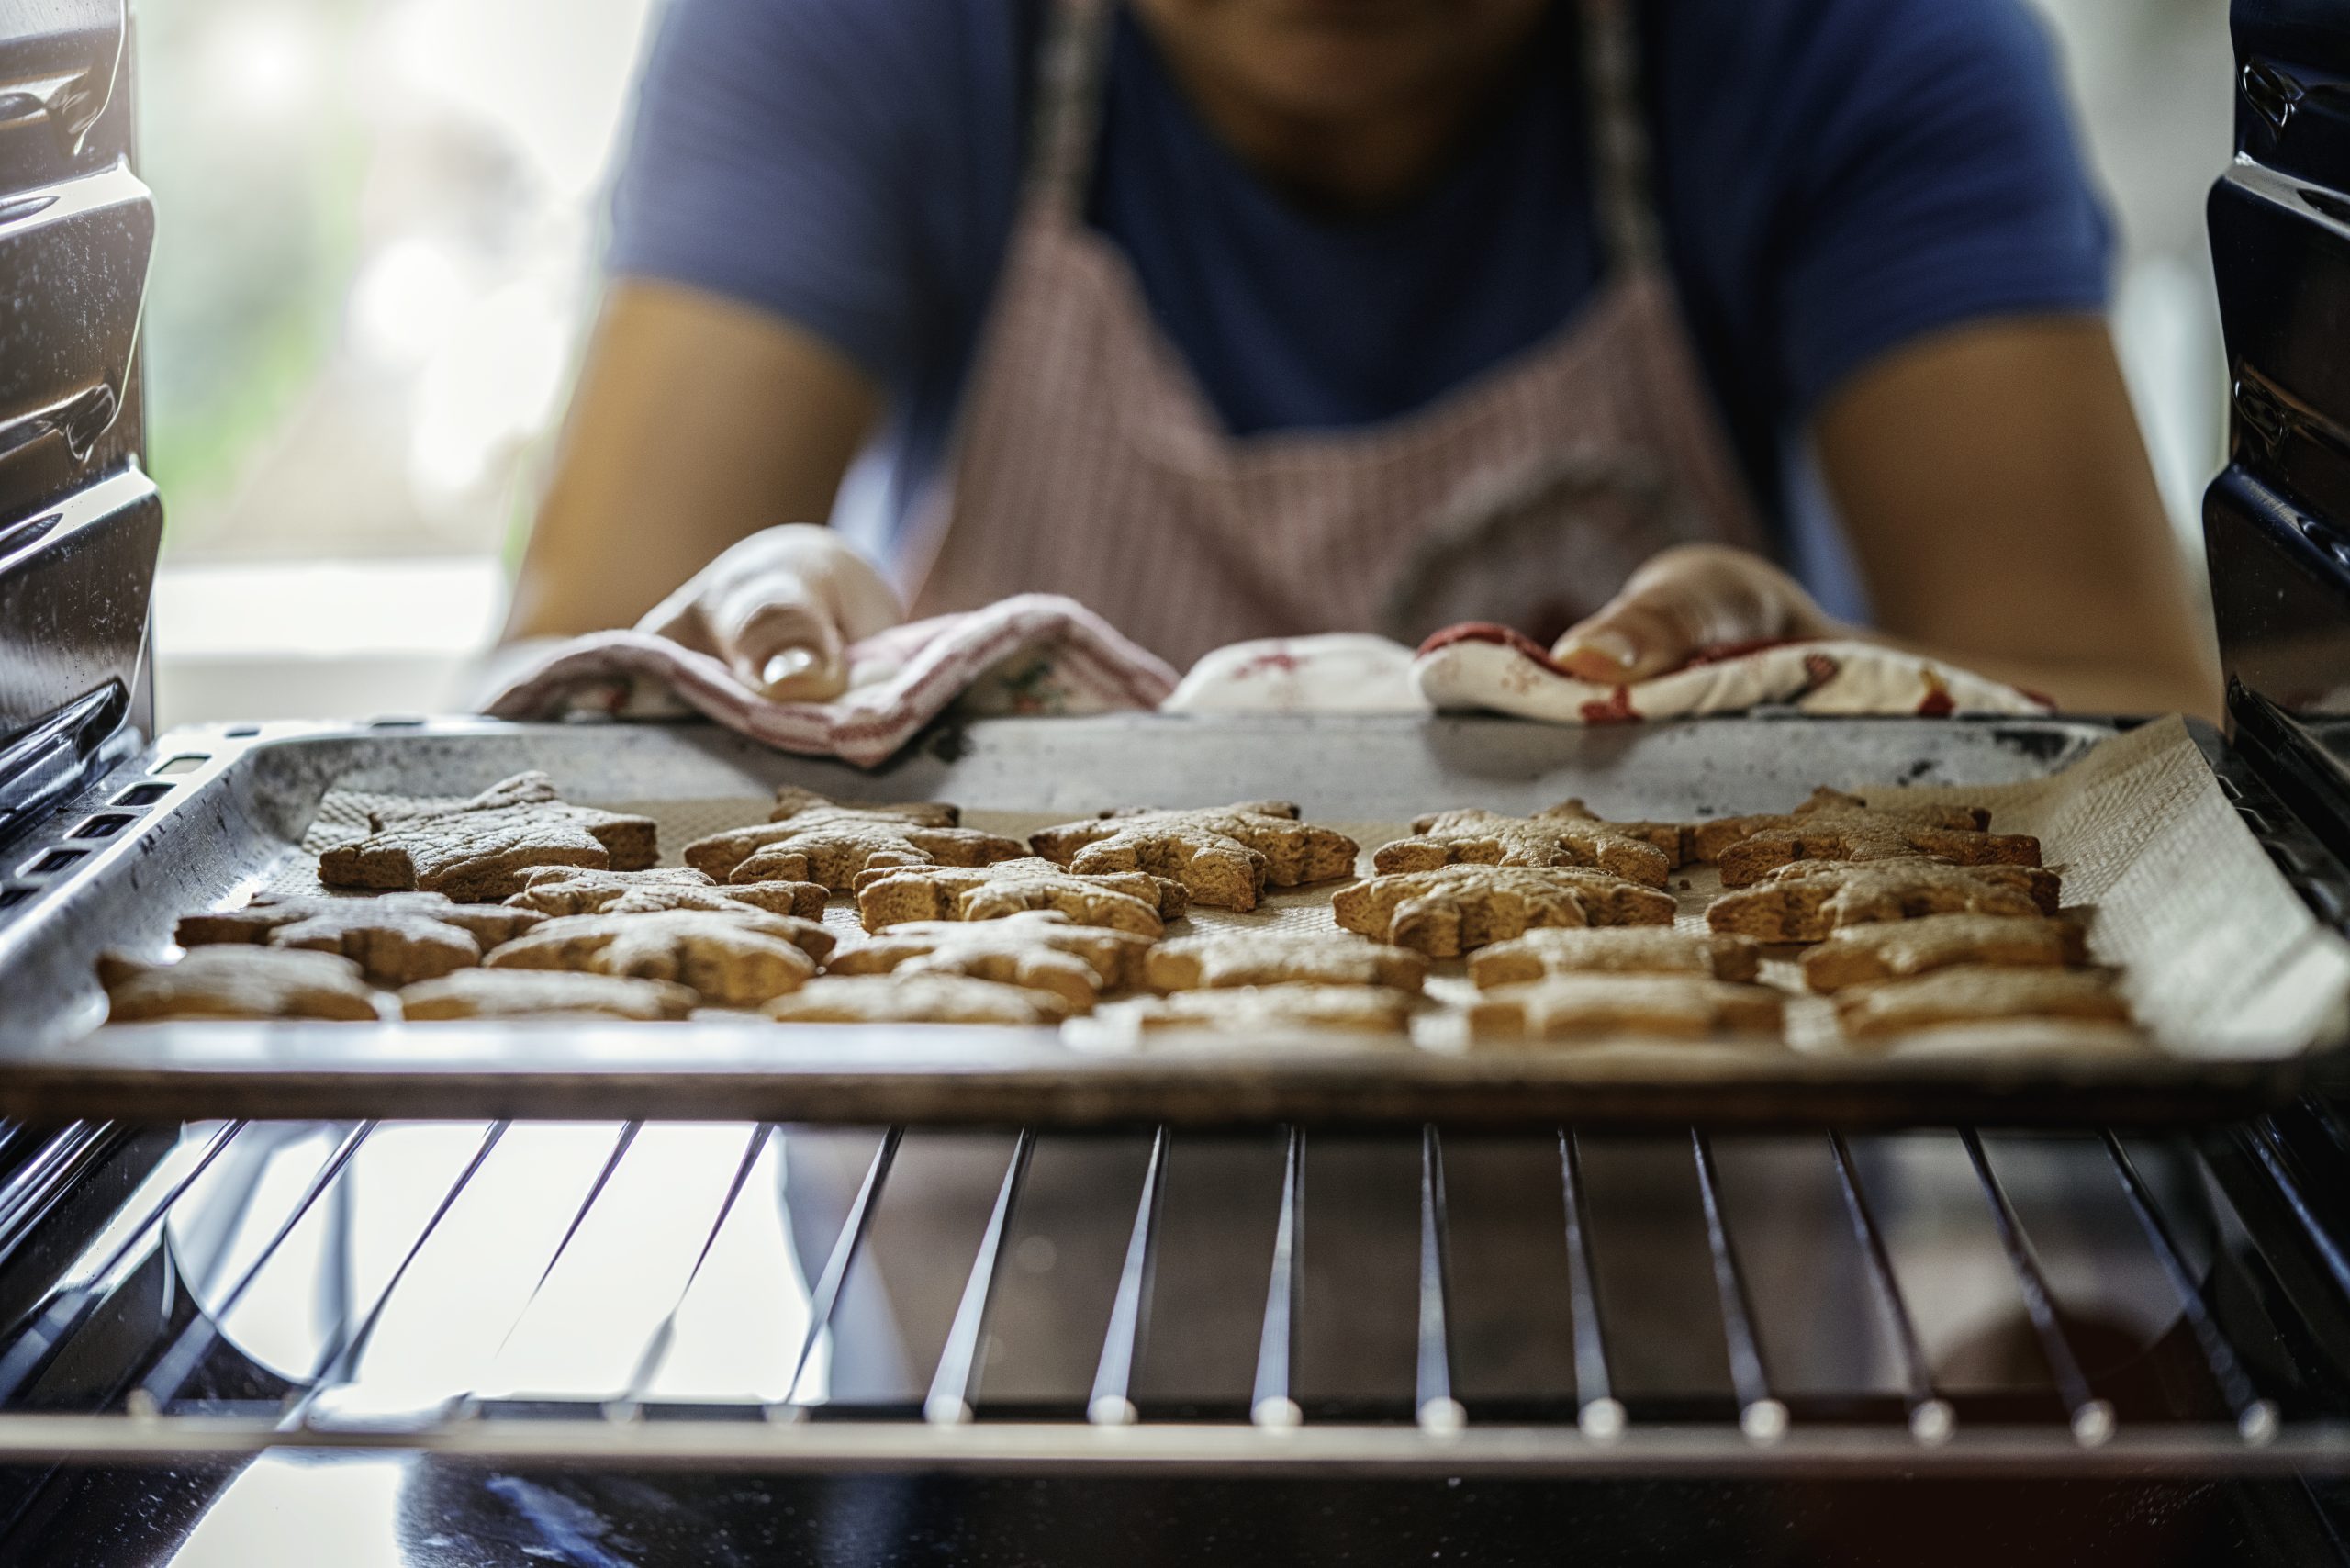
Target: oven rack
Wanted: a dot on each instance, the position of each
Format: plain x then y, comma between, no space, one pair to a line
113,1360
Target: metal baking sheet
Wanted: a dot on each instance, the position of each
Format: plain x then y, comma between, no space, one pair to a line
212,813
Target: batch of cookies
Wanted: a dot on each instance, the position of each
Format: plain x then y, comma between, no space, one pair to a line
515,903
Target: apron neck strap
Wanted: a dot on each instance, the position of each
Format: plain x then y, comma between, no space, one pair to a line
1071,84
1621,171
1070,70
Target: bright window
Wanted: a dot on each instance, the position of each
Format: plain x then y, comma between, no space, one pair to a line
378,226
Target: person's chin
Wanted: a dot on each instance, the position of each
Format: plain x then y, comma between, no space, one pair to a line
1330,76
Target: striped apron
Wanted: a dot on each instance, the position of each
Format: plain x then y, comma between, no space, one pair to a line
1088,461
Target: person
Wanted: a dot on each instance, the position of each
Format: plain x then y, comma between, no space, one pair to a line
1646,324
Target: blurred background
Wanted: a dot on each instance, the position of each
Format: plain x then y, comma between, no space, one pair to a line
379,225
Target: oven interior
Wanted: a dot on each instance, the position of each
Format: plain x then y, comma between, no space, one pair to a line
527,1340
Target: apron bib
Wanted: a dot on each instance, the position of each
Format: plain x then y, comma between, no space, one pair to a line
1089,463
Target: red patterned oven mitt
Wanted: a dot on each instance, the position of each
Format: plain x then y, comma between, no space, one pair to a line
1480,665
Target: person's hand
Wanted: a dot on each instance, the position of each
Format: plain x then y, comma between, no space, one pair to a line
781,608
1682,599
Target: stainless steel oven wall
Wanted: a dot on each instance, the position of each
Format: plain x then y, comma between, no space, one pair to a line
79,521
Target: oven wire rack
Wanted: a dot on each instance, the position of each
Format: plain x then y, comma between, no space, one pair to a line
115,1360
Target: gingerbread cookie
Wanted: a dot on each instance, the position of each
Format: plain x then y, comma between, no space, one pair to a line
572,890
1804,901
2044,887
1452,909
1041,949
392,937
476,850
915,999
1225,856
1272,1009
1123,901
811,839
1217,960
1670,839
1887,950
1831,825
1707,840
537,993
1585,1006
1975,994
1623,949
735,958
238,982
1565,834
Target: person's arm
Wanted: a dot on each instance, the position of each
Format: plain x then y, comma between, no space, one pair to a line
1995,489
1918,288
696,421
703,432
799,224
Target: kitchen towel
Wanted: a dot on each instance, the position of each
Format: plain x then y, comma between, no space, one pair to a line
1337,672
1030,654
1478,666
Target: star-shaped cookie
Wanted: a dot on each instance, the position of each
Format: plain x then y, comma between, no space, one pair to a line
236,982
1804,901
915,999
737,958
395,939
544,994
1217,960
1041,949
574,889
1123,901
1975,992
1224,856
1592,1006
1856,955
811,839
1452,909
476,850
1564,834
1617,949
1271,1009
1831,825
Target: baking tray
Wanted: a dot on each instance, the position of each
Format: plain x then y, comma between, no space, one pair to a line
211,813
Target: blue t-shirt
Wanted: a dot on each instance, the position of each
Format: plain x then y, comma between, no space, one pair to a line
1834,177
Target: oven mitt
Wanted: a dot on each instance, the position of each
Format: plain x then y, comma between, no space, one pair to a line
1030,654
1480,665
